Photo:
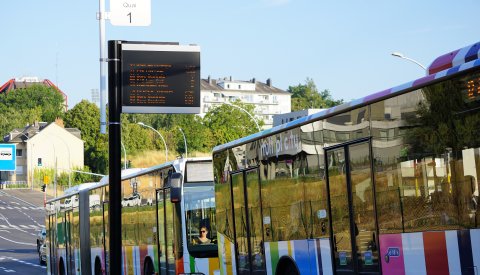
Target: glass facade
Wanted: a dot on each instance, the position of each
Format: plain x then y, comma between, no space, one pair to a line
425,163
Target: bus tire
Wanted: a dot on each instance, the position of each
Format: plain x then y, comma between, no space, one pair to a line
61,267
98,267
148,268
287,266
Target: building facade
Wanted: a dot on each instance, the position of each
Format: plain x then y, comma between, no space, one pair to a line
43,146
268,100
287,117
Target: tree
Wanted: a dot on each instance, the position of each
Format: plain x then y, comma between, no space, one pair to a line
24,106
197,134
228,123
307,96
86,117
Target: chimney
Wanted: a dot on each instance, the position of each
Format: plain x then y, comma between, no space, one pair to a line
59,122
209,80
230,78
269,82
253,80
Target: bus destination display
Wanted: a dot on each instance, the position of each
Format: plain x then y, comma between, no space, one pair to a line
159,78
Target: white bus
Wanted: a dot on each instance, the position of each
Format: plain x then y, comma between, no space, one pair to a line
159,233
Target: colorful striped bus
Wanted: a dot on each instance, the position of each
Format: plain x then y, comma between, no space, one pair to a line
386,184
159,235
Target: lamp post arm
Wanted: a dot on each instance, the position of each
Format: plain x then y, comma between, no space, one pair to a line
400,55
158,133
245,111
184,141
415,61
124,156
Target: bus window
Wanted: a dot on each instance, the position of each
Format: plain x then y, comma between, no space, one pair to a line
200,216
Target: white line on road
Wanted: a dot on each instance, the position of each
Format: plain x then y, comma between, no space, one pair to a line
32,244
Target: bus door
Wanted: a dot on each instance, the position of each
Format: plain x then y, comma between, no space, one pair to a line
249,250
52,246
68,242
352,208
161,237
105,240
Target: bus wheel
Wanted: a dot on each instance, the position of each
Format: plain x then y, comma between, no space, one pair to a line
98,267
286,266
148,268
61,268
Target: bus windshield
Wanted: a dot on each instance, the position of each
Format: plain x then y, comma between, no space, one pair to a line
199,201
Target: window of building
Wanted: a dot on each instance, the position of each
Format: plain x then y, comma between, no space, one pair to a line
19,153
19,170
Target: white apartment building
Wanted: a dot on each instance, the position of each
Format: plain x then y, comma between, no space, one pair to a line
268,100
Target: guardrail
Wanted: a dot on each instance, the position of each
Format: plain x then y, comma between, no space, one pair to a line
14,184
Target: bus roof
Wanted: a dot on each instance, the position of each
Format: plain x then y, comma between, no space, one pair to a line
129,173
442,67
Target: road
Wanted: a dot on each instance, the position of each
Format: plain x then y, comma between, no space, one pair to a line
21,217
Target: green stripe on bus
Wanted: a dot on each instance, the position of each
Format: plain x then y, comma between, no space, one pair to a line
192,264
274,256
155,253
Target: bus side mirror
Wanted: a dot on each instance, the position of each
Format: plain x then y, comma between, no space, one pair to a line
176,187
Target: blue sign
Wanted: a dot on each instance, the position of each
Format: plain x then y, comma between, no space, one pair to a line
392,252
8,157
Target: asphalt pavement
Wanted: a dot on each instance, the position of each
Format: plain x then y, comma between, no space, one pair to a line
22,215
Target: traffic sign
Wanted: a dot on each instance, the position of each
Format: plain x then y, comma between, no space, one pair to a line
130,12
8,157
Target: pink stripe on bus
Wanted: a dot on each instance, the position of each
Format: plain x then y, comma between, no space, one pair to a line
436,257
391,253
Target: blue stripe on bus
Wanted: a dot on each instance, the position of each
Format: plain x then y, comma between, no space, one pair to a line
319,256
465,251
312,260
301,256
453,70
472,53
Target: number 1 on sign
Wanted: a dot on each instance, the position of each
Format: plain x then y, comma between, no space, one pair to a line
130,16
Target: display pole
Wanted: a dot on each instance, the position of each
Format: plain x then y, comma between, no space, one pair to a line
114,139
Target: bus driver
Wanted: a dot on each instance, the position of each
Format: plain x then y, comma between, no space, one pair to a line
202,239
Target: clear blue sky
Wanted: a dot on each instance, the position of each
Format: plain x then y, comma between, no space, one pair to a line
344,46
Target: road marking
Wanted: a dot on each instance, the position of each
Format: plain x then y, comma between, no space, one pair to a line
19,261
31,244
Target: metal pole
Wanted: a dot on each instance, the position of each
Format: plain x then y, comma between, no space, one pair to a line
114,134
103,68
184,141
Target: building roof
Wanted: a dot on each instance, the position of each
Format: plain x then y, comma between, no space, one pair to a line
24,82
260,87
18,135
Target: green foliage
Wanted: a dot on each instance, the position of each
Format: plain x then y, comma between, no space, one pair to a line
25,106
440,121
198,136
86,117
307,96
136,138
228,123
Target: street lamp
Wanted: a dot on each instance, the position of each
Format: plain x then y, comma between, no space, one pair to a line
184,141
400,55
245,111
164,143
124,156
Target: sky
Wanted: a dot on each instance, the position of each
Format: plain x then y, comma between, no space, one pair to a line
343,46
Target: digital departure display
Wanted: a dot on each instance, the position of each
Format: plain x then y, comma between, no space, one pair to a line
473,88
160,78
